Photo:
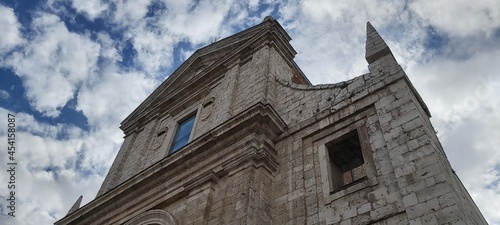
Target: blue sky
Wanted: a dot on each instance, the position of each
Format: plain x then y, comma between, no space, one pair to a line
71,71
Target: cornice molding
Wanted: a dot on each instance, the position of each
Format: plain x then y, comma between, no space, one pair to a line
261,126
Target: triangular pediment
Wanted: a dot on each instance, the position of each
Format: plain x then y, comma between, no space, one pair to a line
202,62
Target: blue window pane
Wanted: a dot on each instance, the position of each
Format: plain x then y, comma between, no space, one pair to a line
183,133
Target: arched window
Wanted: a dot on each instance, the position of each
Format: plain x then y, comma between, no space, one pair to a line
153,217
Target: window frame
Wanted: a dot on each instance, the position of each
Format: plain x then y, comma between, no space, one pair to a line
330,193
193,116
337,176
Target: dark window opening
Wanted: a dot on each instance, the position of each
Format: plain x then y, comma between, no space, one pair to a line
346,161
183,133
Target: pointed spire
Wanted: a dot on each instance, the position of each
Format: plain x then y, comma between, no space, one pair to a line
376,47
76,205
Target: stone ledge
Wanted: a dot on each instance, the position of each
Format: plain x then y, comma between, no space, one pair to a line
258,120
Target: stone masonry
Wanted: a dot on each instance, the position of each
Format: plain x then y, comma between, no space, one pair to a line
267,147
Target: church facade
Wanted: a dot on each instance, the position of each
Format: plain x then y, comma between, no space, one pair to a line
238,135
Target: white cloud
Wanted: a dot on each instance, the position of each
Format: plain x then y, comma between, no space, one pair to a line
4,95
54,64
155,37
185,54
351,12
90,8
45,169
473,153
108,48
60,162
154,49
128,13
105,103
43,199
11,36
253,5
288,12
330,35
454,86
110,99
460,17
200,24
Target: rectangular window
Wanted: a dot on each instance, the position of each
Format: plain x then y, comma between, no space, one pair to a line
346,161
183,133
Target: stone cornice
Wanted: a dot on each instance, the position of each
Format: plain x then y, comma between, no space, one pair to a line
260,126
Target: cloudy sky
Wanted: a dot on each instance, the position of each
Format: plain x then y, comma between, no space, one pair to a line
71,71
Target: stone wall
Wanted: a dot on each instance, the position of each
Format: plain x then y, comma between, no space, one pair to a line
410,179
243,85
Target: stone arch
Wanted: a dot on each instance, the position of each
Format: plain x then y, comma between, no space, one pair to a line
153,217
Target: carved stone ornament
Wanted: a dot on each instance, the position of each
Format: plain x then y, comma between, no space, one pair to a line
160,137
208,107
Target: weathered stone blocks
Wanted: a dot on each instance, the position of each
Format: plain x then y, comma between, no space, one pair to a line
263,155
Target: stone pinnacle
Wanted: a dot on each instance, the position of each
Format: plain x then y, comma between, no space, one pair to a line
375,46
